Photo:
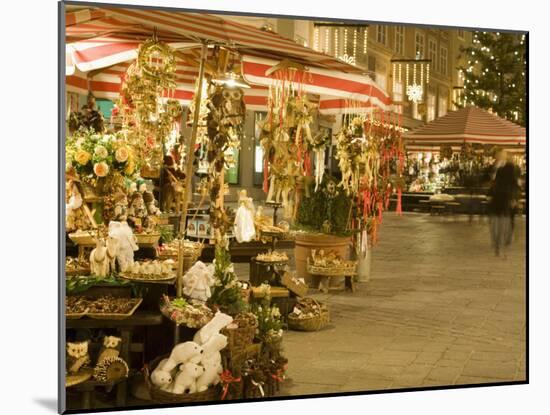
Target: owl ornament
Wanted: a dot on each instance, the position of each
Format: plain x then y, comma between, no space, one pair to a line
110,348
77,356
110,367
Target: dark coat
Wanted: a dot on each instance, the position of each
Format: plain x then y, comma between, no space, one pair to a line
504,190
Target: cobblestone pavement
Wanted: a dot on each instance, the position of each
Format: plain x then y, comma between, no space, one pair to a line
439,309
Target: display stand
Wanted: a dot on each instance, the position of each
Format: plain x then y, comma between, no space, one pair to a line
126,328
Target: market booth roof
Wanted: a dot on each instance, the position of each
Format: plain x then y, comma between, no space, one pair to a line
101,42
468,125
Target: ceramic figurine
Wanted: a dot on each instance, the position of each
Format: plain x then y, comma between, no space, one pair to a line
99,261
112,251
137,213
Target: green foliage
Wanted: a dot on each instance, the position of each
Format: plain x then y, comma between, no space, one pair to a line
226,293
494,77
166,234
317,209
79,284
269,319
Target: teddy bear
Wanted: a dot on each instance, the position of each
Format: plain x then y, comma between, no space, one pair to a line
182,353
214,326
211,349
162,379
211,375
186,378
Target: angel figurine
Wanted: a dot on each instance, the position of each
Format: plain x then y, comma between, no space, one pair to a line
244,228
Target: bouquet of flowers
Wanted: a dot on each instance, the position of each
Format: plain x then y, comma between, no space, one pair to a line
95,156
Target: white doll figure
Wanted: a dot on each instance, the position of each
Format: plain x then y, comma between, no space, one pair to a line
244,228
197,281
127,243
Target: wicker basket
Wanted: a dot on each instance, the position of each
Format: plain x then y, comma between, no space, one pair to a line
239,338
115,316
160,396
294,285
313,323
346,268
147,239
83,238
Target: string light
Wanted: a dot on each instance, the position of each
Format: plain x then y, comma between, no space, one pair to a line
365,40
346,41
354,43
394,77
336,42
427,73
414,73
400,65
421,74
407,74
326,40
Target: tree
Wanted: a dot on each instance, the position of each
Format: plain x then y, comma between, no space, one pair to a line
495,75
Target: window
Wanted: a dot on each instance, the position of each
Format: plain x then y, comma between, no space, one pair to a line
460,33
430,114
415,112
380,79
258,150
232,171
443,60
381,34
419,44
442,107
432,53
400,40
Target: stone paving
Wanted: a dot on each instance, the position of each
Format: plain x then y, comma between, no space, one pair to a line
439,309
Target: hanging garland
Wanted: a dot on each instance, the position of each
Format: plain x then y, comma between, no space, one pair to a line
371,158
225,120
287,139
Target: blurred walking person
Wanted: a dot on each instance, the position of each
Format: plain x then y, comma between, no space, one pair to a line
504,193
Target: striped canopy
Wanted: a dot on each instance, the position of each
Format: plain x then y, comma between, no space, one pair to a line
468,125
101,43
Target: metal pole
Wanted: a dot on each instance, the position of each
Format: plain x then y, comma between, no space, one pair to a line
191,152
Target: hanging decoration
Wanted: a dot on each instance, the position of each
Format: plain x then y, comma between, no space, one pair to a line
287,139
371,157
224,121
416,84
149,114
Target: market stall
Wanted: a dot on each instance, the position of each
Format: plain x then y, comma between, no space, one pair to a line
145,204
454,153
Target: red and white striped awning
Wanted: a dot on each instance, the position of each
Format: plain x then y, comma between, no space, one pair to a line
102,40
336,89
468,125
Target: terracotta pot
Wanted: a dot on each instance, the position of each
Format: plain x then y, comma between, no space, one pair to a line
305,242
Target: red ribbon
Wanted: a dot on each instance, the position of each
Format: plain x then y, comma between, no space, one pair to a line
266,175
398,209
227,378
307,163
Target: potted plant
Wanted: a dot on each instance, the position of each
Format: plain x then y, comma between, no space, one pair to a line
322,222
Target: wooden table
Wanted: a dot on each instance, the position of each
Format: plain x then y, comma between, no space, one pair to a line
126,327
245,251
